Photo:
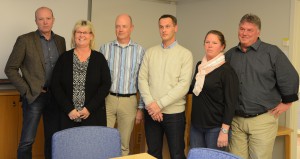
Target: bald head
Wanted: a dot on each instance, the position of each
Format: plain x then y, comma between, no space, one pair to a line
123,28
42,9
124,17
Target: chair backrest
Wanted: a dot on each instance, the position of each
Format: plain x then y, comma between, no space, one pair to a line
89,142
206,153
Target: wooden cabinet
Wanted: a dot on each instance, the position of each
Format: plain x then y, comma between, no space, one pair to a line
11,127
137,139
188,111
9,118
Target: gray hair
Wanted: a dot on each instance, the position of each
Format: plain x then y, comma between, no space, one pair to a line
251,18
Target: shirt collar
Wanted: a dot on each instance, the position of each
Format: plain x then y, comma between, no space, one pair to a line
42,36
170,46
253,46
116,43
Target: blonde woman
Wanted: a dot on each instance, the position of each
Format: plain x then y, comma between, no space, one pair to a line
81,80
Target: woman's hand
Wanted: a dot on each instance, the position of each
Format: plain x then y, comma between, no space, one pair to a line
223,136
222,140
73,114
84,113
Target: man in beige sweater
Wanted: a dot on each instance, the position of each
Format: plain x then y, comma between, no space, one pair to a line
164,80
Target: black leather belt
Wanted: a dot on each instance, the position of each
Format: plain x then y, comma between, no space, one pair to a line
122,95
242,114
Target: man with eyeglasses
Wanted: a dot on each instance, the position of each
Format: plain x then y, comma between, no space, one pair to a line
164,81
35,54
124,57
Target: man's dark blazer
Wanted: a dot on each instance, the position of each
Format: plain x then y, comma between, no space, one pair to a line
27,55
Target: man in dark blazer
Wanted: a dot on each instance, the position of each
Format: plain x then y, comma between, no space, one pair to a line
35,55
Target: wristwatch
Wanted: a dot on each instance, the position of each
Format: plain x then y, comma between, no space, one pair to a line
224,131
141,109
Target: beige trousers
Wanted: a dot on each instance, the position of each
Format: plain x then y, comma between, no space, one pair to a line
253,138
122,110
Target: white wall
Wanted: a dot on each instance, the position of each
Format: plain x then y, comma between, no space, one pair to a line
17,17
197,17
145,15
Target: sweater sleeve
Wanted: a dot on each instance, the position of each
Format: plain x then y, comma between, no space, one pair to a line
103,85
183,85
143,80
230,84
57,86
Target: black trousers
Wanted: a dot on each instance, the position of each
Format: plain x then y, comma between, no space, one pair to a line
173,126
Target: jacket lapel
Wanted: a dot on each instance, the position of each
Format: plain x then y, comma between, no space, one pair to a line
39,50
61,48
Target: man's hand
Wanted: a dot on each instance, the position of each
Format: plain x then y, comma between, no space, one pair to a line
153,109
139,116
158,117
280,108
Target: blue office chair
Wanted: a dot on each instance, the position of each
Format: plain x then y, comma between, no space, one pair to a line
86,142
207,153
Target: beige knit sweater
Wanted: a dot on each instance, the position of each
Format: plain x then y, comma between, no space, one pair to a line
165,76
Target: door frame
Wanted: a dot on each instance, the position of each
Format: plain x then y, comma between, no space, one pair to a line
294,56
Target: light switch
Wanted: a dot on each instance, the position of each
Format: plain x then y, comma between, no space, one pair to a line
285,41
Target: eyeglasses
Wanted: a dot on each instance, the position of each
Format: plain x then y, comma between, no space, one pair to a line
84,33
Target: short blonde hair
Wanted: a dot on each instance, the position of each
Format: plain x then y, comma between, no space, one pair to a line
89,25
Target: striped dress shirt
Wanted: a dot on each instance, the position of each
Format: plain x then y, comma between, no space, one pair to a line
124,64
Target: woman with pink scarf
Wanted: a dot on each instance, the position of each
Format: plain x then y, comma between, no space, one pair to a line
215,89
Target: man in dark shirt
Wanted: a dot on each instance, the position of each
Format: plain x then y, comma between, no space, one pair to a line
35,54
268,86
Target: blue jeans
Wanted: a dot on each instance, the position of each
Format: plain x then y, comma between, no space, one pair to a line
32,113
173,125
207,138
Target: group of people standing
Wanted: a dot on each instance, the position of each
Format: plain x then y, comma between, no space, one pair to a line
237,96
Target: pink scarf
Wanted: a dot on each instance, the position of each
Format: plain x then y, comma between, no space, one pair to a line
205,68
